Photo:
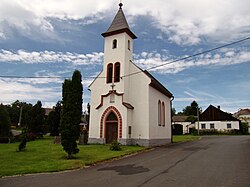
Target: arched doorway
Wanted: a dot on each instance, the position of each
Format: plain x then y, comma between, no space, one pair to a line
111,128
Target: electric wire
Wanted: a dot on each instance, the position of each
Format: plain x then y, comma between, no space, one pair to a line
131,74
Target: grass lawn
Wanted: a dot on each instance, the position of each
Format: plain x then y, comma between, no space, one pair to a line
44,156
184,138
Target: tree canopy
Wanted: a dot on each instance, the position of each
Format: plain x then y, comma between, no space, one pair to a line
35,118
53,120
192,109
4,122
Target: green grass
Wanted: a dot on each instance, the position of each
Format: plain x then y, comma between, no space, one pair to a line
44,156
184,138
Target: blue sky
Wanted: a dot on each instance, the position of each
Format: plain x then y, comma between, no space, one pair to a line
53,38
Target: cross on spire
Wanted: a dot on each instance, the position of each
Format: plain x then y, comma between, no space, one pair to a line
120,4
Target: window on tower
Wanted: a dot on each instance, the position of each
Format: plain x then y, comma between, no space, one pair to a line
109,73
117,72
114,44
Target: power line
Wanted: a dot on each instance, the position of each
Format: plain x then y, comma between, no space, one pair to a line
191,56
147,69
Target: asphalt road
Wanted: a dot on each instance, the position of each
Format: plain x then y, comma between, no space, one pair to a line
222,161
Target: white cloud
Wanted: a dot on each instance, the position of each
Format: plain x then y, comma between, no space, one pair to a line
186,22
2,36
17,15
183,22
51,57
223,57
11,91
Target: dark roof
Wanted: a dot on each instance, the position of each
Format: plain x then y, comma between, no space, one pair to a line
119,25
157,85
179,118
215,114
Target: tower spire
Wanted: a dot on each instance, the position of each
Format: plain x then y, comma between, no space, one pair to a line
119,25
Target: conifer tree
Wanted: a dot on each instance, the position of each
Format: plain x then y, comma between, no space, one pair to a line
71,113
4,122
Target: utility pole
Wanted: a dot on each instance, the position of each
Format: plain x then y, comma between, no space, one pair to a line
20,116
198,121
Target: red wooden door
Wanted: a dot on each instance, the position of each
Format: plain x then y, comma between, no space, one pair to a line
111,132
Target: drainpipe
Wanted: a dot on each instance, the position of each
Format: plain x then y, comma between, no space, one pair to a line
172,98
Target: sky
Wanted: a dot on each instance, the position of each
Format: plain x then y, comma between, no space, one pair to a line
52,38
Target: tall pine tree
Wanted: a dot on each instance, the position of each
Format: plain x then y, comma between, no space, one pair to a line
71,113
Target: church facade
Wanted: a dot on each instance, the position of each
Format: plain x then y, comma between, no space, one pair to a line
127,104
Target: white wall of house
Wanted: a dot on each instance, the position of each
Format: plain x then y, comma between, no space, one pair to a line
245,118
218,125
186,126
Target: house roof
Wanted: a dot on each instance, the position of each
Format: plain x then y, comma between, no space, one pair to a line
119,25
179,118
215,114
245,111
157,85
48,110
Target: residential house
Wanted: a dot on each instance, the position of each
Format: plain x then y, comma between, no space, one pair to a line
181,122
214,118
244,116
127,104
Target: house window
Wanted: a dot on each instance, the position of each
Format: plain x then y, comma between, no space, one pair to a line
114,46
163,114
128,44
229,126
109,73
159,113
211,125
117,72
203,126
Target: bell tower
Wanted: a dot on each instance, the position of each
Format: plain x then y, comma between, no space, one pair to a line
118,50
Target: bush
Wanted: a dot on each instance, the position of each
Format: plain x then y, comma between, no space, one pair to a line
4,140
24,139
216,132
115,146
244,128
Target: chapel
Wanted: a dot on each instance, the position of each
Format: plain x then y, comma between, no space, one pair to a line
128,104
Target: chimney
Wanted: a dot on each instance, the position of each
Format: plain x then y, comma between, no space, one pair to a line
218,107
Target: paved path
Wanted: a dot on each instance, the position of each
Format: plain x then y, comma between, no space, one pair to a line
222,161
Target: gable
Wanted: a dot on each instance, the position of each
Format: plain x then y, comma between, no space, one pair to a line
215,114
157,85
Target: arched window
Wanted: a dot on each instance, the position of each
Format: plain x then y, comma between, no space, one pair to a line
128,44
117,72
114,44
109,73
159,113
163,114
